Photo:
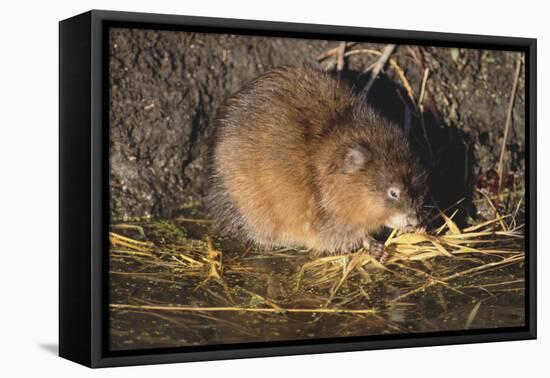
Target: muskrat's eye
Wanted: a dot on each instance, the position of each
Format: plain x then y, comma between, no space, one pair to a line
393,193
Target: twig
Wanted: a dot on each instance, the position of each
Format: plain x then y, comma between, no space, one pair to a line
120,306
332,51
124,226
191,220
508,122
386,53
472,315
393,63
340,57
421,62
421,109
423,89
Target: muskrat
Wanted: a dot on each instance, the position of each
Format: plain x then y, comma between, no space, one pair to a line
299,159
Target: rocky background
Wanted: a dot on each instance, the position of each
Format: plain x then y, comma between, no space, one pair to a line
166,86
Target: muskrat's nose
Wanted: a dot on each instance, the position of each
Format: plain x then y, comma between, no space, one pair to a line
412,223
412,220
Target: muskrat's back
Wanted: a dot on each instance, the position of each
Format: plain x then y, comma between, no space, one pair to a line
279,146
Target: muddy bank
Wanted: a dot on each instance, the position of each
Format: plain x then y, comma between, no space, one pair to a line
166,87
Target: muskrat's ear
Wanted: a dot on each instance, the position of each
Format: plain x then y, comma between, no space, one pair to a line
356,158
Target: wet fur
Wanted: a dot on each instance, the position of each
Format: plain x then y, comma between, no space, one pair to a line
277,158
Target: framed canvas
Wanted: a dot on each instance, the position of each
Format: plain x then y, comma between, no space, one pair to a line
234,188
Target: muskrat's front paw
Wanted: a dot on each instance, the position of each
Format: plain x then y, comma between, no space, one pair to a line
376,249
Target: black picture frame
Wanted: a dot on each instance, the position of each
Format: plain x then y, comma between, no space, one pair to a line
83,181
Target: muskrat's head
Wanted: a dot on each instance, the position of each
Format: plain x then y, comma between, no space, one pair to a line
376,180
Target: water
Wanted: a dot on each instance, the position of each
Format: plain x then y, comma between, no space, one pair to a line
405,300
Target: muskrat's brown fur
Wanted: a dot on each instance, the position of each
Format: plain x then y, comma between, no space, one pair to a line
298,159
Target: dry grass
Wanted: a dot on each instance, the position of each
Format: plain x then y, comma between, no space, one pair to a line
447,256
